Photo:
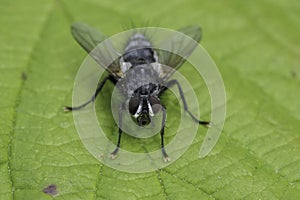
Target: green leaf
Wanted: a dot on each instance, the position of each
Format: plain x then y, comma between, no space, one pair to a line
256,47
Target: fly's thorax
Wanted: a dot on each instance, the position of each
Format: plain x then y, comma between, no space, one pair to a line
140,79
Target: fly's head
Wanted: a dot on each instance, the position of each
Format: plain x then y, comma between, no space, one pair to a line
143,108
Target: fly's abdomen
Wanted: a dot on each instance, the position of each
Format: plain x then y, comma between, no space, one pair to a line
138,50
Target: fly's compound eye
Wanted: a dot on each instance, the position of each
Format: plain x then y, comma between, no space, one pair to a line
155,104
134,106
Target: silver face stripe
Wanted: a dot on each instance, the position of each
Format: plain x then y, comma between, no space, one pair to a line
138,111
150,109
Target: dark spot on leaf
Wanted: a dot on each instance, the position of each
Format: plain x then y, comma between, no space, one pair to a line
50,189
293,74
24,76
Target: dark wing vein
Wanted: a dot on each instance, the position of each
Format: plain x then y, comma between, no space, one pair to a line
104,54
174,51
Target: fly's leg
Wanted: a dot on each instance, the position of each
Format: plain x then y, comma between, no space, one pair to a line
162,132
114,153
68,108
175,82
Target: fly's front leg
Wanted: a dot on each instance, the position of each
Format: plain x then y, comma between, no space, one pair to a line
175,82
69,108
114,153
162,132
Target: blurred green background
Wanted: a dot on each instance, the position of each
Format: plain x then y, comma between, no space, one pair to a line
256,46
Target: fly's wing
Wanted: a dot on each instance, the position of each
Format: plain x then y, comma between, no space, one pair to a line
177,48
104,54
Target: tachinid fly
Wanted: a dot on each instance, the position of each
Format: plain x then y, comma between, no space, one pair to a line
139,74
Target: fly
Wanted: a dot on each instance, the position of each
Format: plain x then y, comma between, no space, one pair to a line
140,65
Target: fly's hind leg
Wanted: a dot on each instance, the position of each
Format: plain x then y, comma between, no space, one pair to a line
175,82
166,158
114,153
69,108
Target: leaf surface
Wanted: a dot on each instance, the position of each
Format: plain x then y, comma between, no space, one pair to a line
256,47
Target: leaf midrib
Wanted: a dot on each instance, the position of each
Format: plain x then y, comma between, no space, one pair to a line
18,99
